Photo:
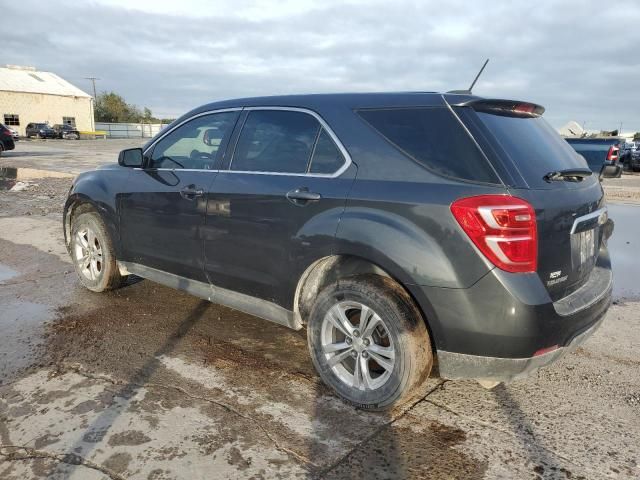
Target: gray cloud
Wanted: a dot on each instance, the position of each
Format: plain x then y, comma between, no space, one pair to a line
577,58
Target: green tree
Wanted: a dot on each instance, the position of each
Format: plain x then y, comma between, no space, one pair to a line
111,107
636,137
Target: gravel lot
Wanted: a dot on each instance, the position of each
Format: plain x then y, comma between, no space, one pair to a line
150,383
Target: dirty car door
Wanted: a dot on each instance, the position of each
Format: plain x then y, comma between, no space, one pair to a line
277,207
162,213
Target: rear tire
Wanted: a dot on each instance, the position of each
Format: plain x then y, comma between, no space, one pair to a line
375,364
93,255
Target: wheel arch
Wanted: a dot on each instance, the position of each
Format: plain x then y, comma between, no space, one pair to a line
97,190
332,268
77,204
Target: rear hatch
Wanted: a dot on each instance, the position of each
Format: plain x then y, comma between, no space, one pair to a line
531,158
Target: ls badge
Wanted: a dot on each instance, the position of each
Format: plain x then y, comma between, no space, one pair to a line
555,278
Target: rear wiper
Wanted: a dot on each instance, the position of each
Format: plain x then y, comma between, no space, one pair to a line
570,175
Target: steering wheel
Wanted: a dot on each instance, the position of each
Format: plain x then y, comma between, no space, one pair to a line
207,160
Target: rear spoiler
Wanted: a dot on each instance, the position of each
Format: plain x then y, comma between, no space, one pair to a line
510,108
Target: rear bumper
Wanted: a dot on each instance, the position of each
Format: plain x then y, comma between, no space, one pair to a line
8,143
458,365
494,329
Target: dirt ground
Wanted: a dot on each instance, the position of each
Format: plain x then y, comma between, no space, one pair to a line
150,383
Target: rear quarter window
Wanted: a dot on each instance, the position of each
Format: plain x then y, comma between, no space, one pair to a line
433,137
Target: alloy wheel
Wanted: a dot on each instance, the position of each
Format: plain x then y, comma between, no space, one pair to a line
88,254
357,345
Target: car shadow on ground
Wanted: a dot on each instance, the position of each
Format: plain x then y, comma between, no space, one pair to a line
103,422
328,437
544,462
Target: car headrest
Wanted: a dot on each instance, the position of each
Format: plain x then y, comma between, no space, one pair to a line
210,136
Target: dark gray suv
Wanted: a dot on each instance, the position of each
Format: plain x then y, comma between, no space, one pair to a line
399,228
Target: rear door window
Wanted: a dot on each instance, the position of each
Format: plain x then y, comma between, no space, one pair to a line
433,137
532,145
277,141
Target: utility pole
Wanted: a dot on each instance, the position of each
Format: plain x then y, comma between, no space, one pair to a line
95,99
93,81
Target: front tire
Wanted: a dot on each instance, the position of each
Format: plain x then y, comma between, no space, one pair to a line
368,342
93,254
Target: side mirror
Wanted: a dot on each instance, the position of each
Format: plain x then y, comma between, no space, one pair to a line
131,157
610,171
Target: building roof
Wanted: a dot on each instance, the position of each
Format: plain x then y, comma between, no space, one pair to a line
30,80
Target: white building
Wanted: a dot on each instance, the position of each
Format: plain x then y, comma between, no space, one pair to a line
29,96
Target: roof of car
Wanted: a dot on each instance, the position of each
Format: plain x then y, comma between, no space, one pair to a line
352,100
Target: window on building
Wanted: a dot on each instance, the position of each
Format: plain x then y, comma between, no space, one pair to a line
12,120
36,77
69,121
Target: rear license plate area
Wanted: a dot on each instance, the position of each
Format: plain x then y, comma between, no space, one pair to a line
584,250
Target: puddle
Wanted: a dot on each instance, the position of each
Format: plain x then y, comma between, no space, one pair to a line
22,326
10,177
625,252
6,273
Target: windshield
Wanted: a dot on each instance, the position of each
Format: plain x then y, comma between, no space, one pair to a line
532,145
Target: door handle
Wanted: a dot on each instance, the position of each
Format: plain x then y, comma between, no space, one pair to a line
191,192
301,196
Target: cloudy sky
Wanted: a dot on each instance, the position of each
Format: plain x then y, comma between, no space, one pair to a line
580,59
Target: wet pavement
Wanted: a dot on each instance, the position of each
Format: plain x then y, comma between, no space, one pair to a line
624,246
150,383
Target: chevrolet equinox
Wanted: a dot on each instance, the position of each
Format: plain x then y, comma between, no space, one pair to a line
406,231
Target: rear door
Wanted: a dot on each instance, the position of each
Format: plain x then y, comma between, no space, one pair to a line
163,211
569,213
277,204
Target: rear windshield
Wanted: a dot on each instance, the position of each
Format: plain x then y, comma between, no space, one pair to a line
532,145
433,137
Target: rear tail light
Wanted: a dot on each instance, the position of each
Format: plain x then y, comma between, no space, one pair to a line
612,154
503,228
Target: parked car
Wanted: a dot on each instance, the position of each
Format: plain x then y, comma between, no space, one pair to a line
626,150
634,160
14,134
39,130
65,131
599,153
6,139
400,228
